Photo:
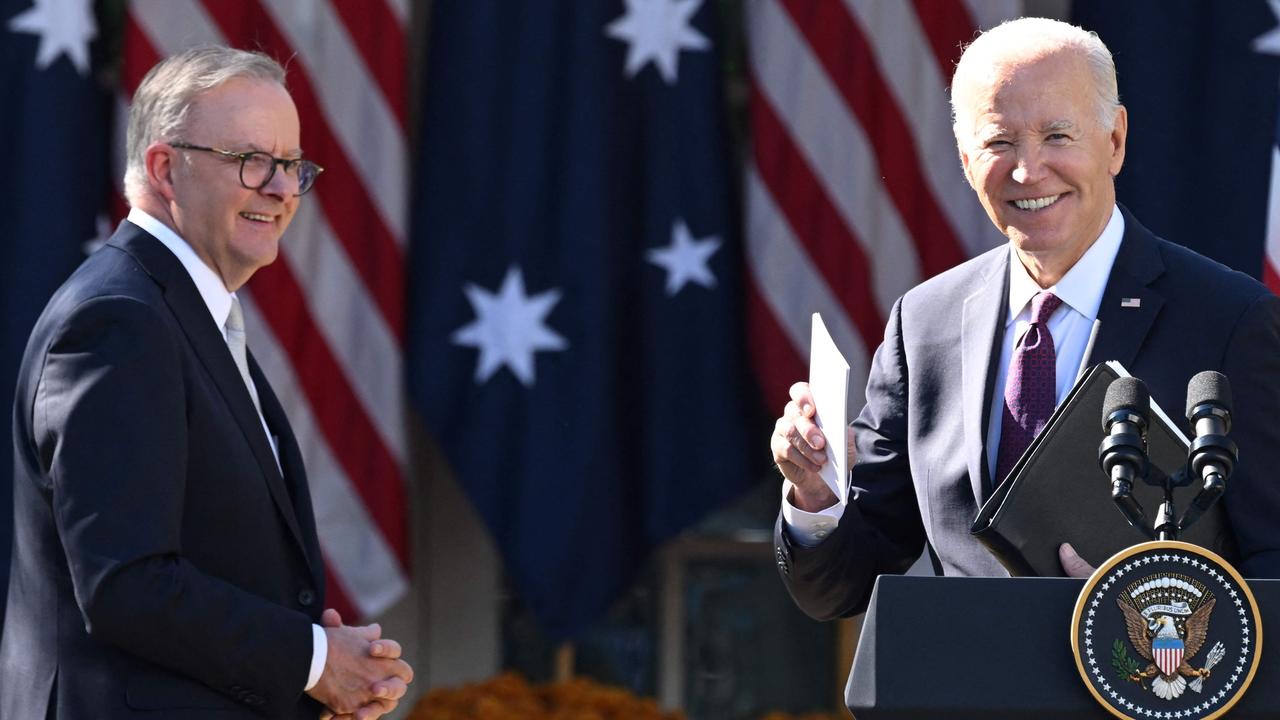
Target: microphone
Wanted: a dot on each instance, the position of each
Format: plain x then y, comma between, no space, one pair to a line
1123,453
1212,456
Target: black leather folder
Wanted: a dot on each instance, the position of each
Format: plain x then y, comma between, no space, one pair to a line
1057,493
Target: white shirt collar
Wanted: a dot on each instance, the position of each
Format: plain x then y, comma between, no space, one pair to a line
211,288
1082,287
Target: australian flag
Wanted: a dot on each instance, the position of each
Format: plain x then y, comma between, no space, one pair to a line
575,339
53,181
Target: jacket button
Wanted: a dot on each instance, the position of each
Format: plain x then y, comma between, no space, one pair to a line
306,597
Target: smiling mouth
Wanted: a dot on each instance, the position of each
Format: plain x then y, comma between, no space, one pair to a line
256,217
1035,203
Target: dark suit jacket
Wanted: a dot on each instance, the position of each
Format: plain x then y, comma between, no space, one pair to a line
922,466
161,562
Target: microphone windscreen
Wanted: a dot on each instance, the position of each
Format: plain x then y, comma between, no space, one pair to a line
1208,387
1126,393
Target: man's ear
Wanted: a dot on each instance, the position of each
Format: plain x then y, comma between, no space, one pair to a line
964,164
1119,134
161,163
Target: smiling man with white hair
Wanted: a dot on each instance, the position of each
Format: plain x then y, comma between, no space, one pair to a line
975,360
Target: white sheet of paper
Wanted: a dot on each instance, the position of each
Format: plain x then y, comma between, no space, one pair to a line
829,383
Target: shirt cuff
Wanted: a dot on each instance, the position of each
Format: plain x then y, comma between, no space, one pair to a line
806,528
319,654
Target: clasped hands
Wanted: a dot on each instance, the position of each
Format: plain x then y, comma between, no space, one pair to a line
364,677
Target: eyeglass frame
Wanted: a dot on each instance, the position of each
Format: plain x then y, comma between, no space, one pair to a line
243,157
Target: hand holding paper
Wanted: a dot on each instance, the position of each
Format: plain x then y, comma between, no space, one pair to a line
815,462
829,383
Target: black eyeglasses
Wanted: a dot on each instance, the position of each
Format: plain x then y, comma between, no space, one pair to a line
257,167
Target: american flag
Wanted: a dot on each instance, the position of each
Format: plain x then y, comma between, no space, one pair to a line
854,191
326,320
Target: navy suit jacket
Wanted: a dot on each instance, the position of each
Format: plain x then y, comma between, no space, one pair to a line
922,471
162,564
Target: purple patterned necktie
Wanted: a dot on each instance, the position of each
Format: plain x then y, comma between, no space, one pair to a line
1031,390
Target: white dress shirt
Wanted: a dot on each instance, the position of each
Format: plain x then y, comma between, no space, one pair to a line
1071,326
218,300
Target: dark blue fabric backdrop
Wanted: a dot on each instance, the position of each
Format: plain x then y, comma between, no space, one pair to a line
543,158
53,131
1202,118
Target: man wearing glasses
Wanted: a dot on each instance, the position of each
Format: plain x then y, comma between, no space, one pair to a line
165,559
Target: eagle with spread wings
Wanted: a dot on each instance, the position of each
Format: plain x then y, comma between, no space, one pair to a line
1167,648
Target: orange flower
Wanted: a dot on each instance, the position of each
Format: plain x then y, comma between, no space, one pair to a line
510,697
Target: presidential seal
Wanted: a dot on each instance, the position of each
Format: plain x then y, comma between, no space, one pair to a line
1166,629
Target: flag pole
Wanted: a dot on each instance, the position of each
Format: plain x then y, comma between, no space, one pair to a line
564,662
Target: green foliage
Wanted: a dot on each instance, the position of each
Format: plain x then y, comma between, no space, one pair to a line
1126,667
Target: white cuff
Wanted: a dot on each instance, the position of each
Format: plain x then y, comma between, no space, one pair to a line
806,528
319,654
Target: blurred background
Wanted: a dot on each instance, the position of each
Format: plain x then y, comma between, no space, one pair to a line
534,322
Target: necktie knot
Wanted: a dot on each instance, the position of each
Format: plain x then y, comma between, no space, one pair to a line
239,350
1042,306
235,319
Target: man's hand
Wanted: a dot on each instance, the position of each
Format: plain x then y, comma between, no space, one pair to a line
1076,566
799,449
364,677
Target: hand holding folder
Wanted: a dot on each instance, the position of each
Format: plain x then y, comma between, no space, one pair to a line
1056,492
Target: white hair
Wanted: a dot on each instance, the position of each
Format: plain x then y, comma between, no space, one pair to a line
1041,35
164,98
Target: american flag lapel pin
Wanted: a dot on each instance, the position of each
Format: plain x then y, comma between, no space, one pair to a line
1131,302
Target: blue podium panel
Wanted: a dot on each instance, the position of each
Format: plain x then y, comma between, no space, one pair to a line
994,648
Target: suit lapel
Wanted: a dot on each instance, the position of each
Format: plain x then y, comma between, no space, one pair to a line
295,477
1129,306
981,332
211,350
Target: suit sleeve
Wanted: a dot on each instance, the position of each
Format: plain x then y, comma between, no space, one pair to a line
880,531
1252,365
110,417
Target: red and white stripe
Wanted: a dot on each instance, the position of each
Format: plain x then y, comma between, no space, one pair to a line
1168,659
854,189
326,321
1271,262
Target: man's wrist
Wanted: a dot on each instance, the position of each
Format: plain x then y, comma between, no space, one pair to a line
809,528
813,501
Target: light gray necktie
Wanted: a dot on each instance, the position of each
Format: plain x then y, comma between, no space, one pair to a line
236,341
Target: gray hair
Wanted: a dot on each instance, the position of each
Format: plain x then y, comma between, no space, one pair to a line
164,97
1044,35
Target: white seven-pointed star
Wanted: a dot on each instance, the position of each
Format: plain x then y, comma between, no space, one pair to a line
64,27
1269,42
657,30
509,327
685,259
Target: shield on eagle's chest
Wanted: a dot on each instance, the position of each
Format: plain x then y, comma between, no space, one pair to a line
1168,654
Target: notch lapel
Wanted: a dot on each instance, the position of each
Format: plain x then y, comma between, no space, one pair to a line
1122,328
981,332
211,350
295,476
